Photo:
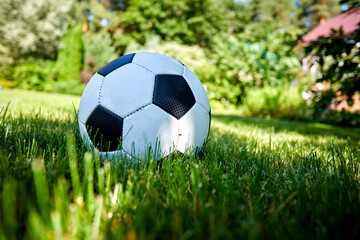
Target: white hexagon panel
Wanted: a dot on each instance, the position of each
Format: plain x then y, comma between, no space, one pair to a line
127,89
149,127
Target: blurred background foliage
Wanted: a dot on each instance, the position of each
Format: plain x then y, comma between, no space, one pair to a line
246,52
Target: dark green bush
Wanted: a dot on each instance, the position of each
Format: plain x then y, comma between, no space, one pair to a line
343,118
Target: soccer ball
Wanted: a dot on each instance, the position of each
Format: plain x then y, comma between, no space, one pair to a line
144,105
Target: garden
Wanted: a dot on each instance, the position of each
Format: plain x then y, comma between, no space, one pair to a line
281,160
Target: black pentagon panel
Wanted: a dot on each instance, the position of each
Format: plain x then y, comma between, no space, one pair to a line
119,62
105,129
173,94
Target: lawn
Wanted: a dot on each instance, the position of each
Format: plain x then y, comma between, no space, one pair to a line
257,179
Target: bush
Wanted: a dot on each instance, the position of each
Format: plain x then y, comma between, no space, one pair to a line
70,58
6,83
245,63
344,118
35,75
41,76
278,102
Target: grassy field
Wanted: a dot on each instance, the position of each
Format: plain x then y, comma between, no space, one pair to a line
257,179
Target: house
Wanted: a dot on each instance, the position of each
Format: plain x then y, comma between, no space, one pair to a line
349,21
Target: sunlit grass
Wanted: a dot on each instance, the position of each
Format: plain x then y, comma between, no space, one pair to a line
295,135
45,104
256,179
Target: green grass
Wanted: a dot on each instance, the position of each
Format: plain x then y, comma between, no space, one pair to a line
51,105
257,179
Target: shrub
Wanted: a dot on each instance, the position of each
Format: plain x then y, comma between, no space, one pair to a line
35,75
279,102
341,118
4,83
41,76
245,63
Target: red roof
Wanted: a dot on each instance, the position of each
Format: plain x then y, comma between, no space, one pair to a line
348,20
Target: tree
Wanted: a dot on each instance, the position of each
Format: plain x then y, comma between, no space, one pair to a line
315,12
280,12
70,58
32,28
186,22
